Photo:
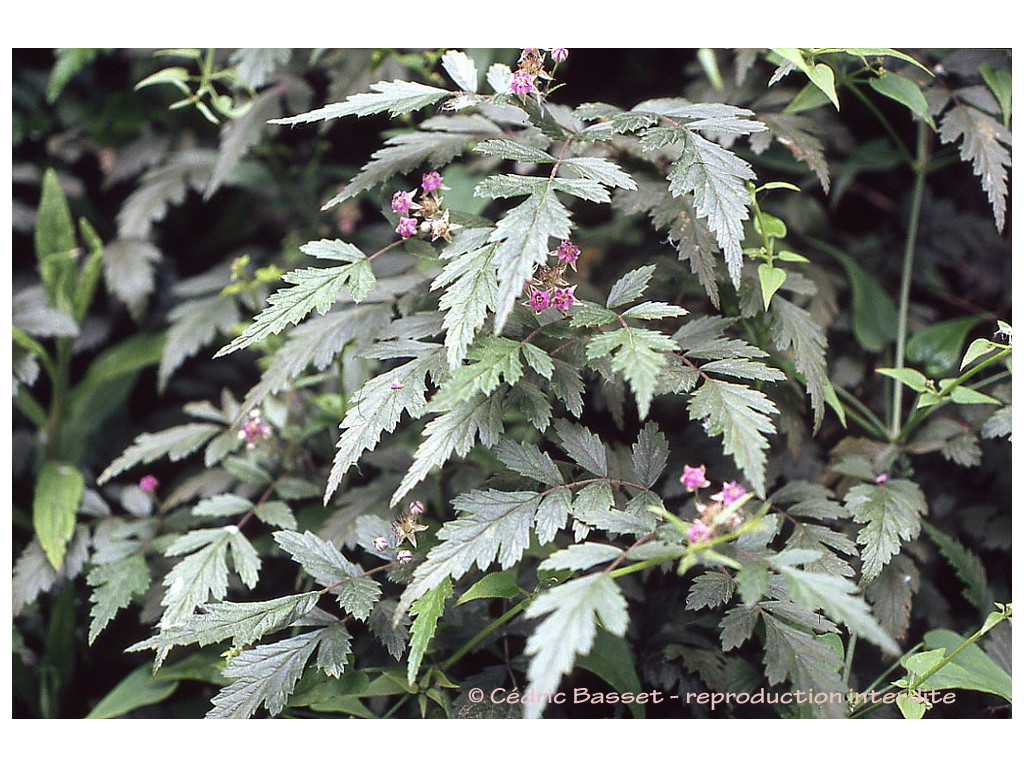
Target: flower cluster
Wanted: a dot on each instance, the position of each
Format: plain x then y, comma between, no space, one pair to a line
548,288
531,68
254,429
426,216
713,516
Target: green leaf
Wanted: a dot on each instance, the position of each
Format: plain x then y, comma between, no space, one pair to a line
752,582
971,669
986,145
472,290
222,505
821,75
266,674
91,271
243,623
916,380
508,149
938,346
55,242
396,97
58,493
610,659
1001,82
137,689
891,512
968,566
710,590
498,584
742,416
175,443
874,314
836,597
905,92
601,170
573,610
312,288
717,180
650,455
522,236
630,286
529,461
496,526
356,592
427,611
176,76
114,585
639,355
494,359
968,396
276,514
771,279
978,348
580,557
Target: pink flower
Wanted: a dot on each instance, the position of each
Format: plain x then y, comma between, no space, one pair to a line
559,54
253,428
406,227
401,202
522,82
693,478
148,483
404,556
431,181
698,532
568,252
380,543
396,384
563,298
416,508
539,301
730,492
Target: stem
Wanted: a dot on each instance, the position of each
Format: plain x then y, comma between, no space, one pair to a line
917,197
474,641
900,146
850,648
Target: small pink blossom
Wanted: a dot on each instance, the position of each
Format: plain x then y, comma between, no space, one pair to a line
559,54
693,478
380,543
431,181
563,298
730,492
416,508
539,301
148,483
568,252
404,556
401,202
253,428
698,532
406,227
522,82
881,478
396,384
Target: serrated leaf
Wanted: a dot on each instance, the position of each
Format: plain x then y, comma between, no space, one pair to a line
836,597
522,236
461,68
266,674
580,557
312,288
33,573
630,286
807,661
390,627
427,611
650,455
494,359
496,526
601,170
638,354
891,513
553,513
58,492
573,610
891,594
377,407
529,461
507,149
114,586
983,146
222,505
968,566
454,431
243,623
710,590
200,576
792,327
740,368
276,514
742,416
175,443
193,325
356,592
396,97
472,280
717,180
584,447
